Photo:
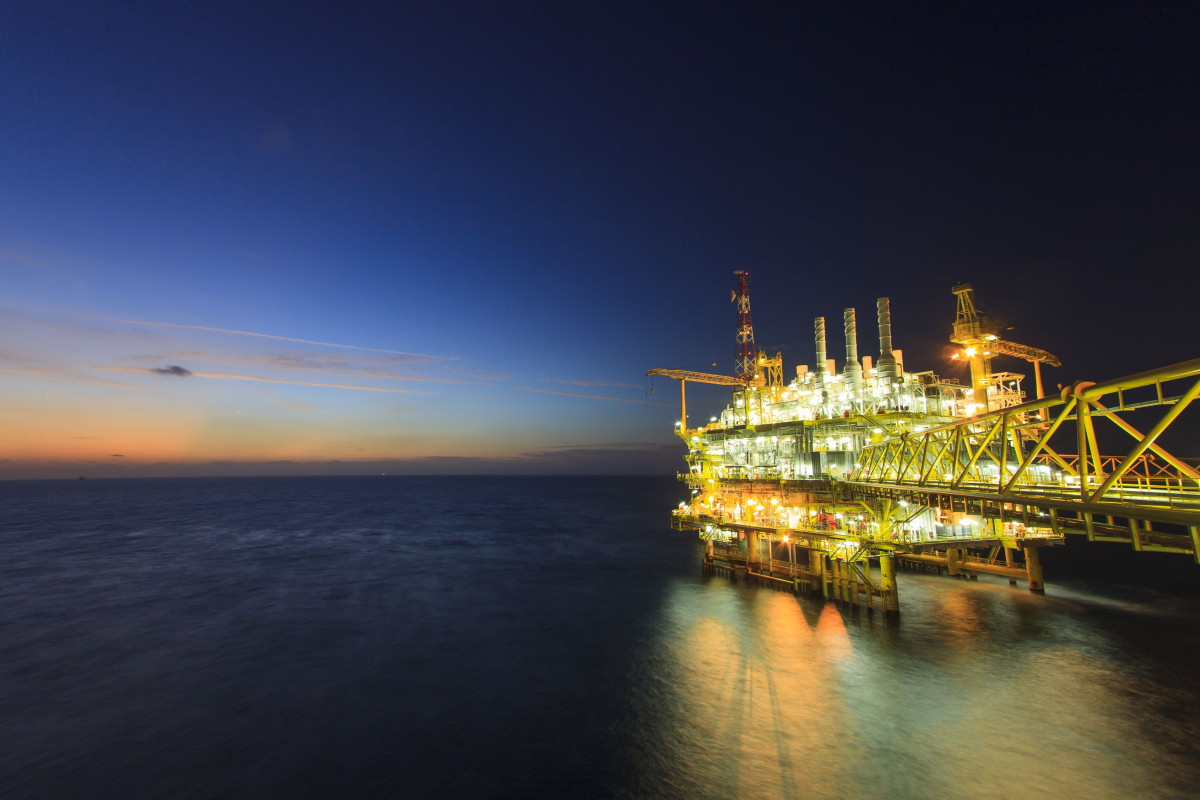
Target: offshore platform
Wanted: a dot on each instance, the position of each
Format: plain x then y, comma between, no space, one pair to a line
831,480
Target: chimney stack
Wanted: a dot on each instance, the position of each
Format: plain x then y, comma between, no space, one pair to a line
822,368
852,370
886,368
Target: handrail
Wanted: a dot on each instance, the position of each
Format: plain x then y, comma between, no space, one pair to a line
982,448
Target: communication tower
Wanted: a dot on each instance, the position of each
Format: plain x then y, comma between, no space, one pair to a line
746,365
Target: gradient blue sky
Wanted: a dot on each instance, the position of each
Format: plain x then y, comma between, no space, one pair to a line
453,238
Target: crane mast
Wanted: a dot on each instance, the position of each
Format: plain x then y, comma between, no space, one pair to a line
980,340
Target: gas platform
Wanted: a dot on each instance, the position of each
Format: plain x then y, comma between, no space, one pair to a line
829,481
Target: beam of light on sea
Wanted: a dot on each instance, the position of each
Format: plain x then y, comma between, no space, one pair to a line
747,692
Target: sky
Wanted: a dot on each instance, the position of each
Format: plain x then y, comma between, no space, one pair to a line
350,238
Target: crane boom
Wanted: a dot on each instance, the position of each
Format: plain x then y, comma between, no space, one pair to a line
980,339
1031,354
683,376
696,377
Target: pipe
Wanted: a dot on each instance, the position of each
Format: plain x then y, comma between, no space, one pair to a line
852,370
886,368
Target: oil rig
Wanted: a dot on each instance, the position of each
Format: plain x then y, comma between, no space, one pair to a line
830,481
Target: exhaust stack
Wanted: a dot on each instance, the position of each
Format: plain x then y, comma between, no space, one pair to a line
822,367
852,370
887,369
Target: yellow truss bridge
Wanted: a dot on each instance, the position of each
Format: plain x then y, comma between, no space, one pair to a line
1147,497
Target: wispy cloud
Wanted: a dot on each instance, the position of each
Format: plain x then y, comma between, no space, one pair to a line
235,332
634,446
400,377
324,362
56,372
293,360
231,376
599,459
589,396
173,369
569,382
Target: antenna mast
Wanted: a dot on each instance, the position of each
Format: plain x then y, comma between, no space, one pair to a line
746,365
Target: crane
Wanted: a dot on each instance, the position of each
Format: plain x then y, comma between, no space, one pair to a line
980,339
683,376
748,360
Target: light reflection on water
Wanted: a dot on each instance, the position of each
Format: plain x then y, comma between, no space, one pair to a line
540,638
980,690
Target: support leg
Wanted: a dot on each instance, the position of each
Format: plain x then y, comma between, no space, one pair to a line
1033,570
887,582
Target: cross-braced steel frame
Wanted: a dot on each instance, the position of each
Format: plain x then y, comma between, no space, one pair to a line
1007,456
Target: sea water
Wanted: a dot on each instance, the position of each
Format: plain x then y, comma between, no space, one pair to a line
543,637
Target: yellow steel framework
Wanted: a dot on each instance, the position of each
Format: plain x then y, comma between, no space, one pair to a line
683,376
980,339
909,469
1006,456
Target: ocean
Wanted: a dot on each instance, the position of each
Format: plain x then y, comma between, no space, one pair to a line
546,637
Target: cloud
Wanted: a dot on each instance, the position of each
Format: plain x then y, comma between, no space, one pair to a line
300,360
592,383
593,396
336,362
232,376
173,369
235,332
614,446
399,377
650,459
118,455
229,376
55,372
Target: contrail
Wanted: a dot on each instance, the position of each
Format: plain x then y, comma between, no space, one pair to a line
592,383
398,377
590,396
230,376
233,332
233,376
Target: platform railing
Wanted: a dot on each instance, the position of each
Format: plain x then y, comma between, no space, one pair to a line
1009,451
